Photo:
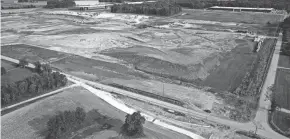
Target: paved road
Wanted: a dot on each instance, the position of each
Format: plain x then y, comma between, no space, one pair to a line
285,110
264,104
284,68
261,116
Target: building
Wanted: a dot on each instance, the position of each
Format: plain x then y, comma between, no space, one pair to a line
242,9
89,5
32,1
128,2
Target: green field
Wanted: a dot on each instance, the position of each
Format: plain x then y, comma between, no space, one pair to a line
30,121
282,88
8,65
31,53
16,75
226,16
281,120
284,61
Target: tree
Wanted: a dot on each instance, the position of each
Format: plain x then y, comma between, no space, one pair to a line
23,62
5,94
46,68
38,67
133,125
22,86
80,114
32,89
3,71
14,92
60,4
65,122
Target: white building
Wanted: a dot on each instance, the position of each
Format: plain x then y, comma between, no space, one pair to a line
241,9
87,5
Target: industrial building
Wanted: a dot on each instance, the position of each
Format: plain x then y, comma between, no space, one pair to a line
88,5
242,9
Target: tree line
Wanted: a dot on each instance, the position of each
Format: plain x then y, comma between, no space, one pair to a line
17,7
62,124
277,4
34,85
286,37
60,3
156,8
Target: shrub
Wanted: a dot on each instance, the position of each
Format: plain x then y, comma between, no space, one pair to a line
3,71
23,62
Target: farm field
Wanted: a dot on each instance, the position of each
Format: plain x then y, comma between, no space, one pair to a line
282,121
30,121
192,54
15,75
284,61
31,53
8,65
282,88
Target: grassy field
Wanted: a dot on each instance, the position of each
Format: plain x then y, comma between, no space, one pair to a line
281,120
7,65
226,16
30,121
16,75
282,88
31,53
284,61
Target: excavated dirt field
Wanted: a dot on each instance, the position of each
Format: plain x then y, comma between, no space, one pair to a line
190,54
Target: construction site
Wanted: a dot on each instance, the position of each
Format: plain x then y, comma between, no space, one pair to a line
211,62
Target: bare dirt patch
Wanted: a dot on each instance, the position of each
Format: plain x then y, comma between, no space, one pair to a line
100,69
190,96
233,67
